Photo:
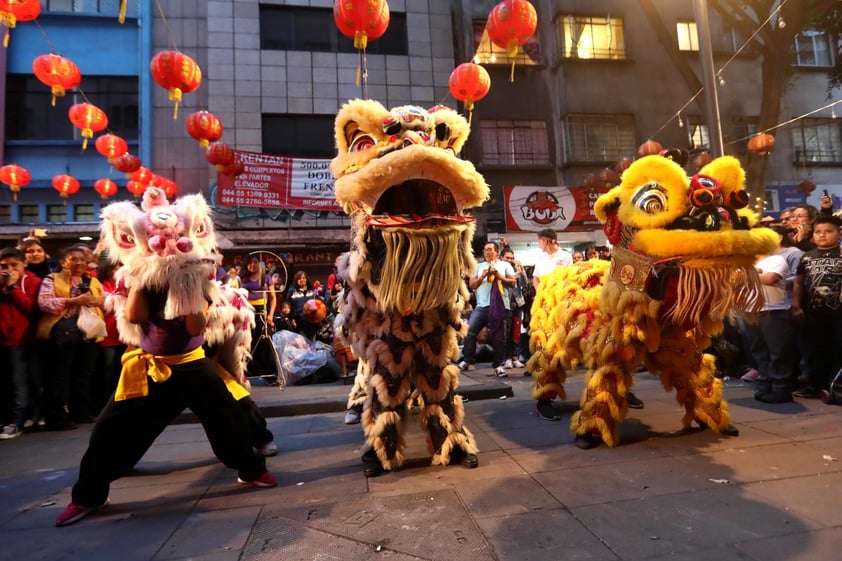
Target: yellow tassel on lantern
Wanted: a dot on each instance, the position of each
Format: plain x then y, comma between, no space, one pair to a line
512,51
175,95
360,40
122,17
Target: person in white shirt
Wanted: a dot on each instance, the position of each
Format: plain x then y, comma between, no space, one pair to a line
553,256
491,283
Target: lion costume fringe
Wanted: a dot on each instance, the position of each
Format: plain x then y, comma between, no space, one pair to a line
398,177
683,258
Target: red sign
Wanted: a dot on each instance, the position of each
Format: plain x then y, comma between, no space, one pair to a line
570,209
271,181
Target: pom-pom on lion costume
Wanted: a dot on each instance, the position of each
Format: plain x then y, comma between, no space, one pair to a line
398,177
682,260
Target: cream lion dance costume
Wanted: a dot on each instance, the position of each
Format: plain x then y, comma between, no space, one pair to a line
682,260
398,177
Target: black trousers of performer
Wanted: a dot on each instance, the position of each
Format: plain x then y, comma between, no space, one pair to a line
258,431
126,429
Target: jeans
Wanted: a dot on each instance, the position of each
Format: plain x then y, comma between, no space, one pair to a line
15,360
478,320
772,346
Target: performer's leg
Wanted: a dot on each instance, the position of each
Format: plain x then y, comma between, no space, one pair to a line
201,387
692,374
602,405
123,433
258,431
385,407
444,414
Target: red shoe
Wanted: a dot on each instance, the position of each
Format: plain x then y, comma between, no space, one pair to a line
74,513
265,481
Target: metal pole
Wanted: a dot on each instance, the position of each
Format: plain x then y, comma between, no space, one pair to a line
708,78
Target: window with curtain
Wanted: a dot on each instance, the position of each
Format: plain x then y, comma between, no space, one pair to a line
512,143
817,141
592,37
599,138
813,48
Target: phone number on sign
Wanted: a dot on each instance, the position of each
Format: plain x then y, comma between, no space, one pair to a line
250,199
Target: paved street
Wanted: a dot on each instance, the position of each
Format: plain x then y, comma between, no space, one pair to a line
772,494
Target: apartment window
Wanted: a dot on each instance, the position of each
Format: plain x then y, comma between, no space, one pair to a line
592,37
486,52
813,48
599,138
294,28
817,141
84,213
510,143
28,213
688,36
698,133
29,115
57,213
5,214
310,136
101,7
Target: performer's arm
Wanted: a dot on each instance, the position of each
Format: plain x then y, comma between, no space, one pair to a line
137,308
272,303
195,323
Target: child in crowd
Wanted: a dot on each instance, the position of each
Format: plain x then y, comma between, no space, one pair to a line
816,302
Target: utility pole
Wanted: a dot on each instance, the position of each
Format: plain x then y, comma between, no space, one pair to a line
700,7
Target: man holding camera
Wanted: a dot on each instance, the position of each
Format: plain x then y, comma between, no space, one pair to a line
18,301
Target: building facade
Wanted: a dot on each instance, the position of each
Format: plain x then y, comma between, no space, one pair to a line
592,85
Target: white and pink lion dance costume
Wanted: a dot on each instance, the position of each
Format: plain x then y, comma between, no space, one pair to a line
398,177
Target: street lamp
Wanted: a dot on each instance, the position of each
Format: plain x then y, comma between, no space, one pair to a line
708,77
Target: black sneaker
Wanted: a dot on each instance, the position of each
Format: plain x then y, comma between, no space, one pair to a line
633,401
546,410
807,393
773,397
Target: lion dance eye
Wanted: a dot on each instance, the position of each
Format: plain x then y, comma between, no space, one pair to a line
650,200
362,142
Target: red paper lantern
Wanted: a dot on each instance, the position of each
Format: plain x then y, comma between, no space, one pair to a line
761,143
15,177
136,188
806,187
205,127
219,154
234,169
89,118
13,11
66,185
609,178
468,83
142,175
622,165
111,146
127,163
701,159
57,72
169,187
177,73
105,187
649,148
361,20
510,24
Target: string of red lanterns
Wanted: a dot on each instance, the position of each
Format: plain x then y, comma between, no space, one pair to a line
105,187
66,185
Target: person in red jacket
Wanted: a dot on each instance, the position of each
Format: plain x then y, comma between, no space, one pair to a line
18,301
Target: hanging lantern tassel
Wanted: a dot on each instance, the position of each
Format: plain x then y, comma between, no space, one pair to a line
86,134
175,96
360,40
469,107
122,17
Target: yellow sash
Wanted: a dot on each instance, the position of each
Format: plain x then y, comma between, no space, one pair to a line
137,365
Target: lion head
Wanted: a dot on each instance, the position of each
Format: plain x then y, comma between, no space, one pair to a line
398,176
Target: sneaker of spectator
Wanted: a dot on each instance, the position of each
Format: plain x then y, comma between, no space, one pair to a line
807,392
352,417
508,363
10,431
750,375
466,367
500,372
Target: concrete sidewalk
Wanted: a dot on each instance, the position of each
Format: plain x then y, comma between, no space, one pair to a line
772,494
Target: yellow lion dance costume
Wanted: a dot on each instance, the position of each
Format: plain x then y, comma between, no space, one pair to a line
682,260
398,177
